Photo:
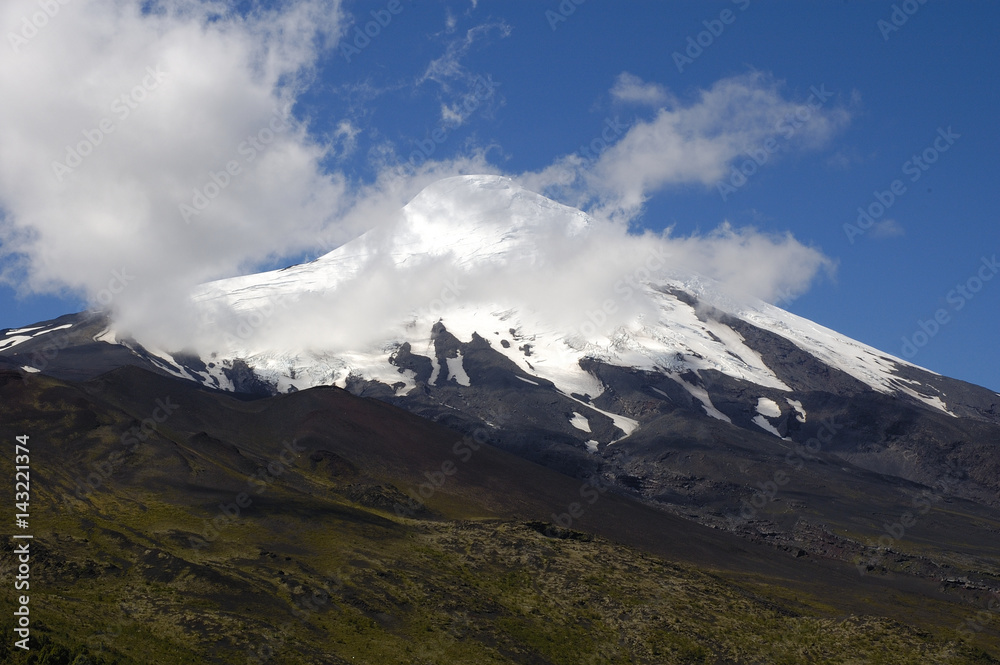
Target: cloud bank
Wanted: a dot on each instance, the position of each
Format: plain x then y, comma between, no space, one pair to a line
158,142
146,148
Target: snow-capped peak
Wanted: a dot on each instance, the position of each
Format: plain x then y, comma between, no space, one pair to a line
544,284
477,219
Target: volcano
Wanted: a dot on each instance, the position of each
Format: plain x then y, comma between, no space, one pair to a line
487,309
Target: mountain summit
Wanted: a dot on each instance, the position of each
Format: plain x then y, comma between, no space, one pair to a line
602,354
481,257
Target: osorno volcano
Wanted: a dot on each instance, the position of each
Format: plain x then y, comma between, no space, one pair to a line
475,307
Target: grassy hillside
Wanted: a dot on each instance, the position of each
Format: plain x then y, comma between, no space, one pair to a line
362,588
271,531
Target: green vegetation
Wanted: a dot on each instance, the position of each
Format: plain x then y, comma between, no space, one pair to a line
318,568
407,591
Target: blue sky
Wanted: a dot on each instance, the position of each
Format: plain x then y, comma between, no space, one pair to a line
558,79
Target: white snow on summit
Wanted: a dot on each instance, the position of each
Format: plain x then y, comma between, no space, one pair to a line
483,256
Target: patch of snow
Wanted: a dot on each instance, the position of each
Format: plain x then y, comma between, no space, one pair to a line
800,413
933,401
435,369
19,331
580,422
107,335
456,371
215,377
62,327
657,390
592,446
166,362
701,395
767,407
30,370
623,423
548,356
373,366
14,341
534,383
762,422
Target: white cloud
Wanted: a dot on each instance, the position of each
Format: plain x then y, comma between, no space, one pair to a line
886,228
750,263
630,89
844,158
141,107
346,135
697,142
456,82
